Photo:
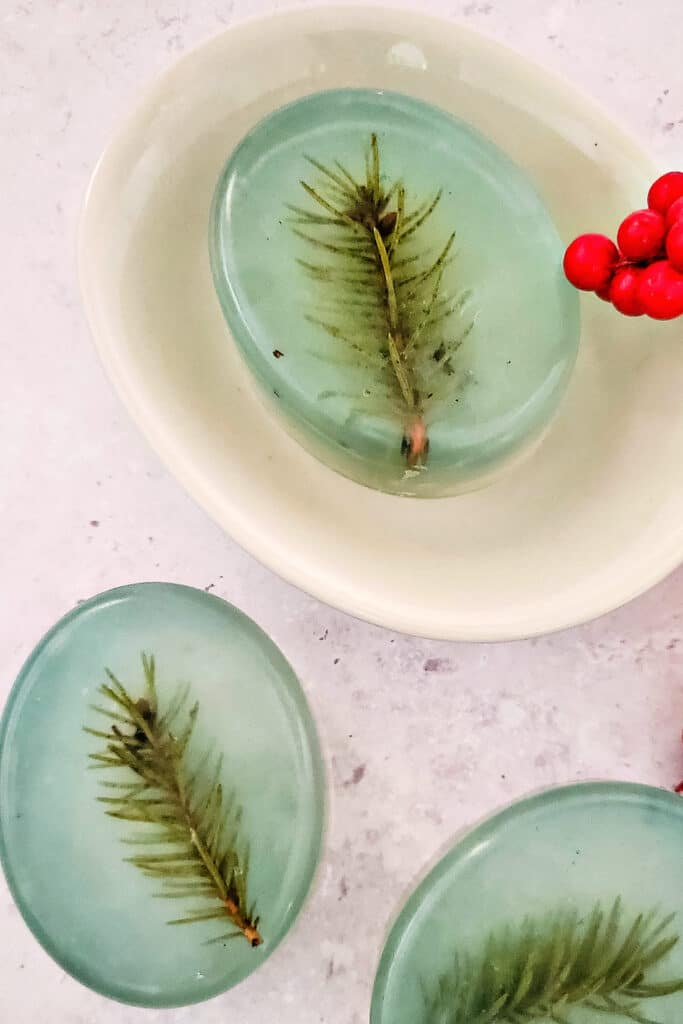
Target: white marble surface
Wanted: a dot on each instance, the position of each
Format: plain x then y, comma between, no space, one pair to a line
422,738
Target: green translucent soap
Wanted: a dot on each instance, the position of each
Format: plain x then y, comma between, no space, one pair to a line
394,283
67,861
566,907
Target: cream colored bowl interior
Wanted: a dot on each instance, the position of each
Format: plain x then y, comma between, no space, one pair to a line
592,519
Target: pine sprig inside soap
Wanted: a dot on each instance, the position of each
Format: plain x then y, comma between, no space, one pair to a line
381,292
188,830
546,968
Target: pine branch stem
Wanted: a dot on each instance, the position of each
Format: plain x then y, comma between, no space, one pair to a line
250,933
392,308
398,226
416,431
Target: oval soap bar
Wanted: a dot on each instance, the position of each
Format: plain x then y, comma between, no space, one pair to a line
159,766
394,282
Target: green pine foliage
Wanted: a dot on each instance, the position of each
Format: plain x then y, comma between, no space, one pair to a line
545,969
187,835
381,291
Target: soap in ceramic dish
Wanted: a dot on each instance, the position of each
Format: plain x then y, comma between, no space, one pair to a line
394,283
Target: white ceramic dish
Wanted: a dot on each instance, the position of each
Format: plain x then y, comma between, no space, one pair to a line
591,520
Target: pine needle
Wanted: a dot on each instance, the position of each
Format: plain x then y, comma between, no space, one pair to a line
193,850
544,968
388,288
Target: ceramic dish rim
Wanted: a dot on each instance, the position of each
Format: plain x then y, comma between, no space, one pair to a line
328,586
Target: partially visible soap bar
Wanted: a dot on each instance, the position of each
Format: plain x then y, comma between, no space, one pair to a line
394,282
565,906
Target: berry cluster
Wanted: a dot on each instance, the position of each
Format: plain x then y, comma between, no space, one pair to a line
645,273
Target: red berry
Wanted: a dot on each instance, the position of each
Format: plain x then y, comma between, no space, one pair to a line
675,212
603,293
589,262
661,291
641,235
623,291
674,245
665,191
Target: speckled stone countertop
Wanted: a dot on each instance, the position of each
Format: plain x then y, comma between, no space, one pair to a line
422,738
